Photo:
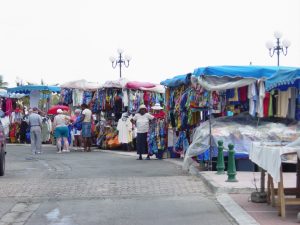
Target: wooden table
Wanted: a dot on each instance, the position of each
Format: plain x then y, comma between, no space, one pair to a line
260,154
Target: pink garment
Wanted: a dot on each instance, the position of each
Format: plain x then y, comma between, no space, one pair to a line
137,85
9,107
146,98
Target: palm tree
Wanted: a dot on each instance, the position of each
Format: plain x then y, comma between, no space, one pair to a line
2,83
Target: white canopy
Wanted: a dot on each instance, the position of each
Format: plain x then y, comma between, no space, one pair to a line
82,85
121,83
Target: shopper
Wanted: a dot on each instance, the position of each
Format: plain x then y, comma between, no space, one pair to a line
61,130
35,123
141,119
86,119
77,127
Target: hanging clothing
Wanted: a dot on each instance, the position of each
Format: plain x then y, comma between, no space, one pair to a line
293,93
77,97
125,98
34,98
260,103
283,103
8,107
252,96
243,93
267,104
235,97
125,129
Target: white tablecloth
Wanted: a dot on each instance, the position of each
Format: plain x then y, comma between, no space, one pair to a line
267,155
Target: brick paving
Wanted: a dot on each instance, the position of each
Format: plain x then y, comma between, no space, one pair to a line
102,187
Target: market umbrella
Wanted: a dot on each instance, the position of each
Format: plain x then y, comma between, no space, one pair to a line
53,109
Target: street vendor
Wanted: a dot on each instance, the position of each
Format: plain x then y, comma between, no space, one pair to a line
141,119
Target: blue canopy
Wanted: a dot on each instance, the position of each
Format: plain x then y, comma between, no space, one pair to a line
255,72
26,89
177,80
284,79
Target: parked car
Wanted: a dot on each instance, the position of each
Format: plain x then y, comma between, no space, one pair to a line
2,150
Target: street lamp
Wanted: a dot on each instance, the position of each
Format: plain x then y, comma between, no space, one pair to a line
120,60
278,47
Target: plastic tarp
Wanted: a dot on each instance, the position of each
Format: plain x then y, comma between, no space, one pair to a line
26,89
82,85
177,81
240,130
213,83
284,79
121,83
255,72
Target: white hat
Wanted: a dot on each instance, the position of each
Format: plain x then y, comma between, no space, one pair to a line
59,111
156,107
142,107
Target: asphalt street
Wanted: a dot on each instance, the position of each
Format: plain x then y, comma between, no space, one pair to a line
81,188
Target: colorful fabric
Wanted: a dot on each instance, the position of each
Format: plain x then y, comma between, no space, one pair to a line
86,130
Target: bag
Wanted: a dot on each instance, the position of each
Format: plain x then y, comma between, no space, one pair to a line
78,123
113,143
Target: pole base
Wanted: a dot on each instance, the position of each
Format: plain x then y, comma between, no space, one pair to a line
220,172
259,197
232,180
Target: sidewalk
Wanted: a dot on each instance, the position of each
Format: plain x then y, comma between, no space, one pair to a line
239,192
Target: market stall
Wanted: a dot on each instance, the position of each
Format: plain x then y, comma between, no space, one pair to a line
117,100
186,106
40,96
232,90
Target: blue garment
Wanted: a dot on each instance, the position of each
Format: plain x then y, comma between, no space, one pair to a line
230,93
86,130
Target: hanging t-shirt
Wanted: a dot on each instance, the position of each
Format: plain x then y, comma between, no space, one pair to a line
125,130
252,96
283,103
77,97
260,105
125,98
243,93
267,104
34,98
235,97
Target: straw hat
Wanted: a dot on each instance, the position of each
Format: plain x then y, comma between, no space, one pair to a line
157,107
142,107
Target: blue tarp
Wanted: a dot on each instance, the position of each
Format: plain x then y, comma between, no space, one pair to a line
284,79
255,72
177,81
26,89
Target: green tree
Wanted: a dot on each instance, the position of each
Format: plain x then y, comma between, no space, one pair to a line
2,83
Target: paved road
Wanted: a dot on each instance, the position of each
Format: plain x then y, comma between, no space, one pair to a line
101,188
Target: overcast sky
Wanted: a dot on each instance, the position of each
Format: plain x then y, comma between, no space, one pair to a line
64,40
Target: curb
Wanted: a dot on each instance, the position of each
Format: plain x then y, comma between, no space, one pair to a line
235,211
213,186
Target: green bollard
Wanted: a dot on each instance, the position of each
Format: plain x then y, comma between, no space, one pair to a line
231,172
220,161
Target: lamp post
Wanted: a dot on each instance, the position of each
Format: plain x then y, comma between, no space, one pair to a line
120,60
278,47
